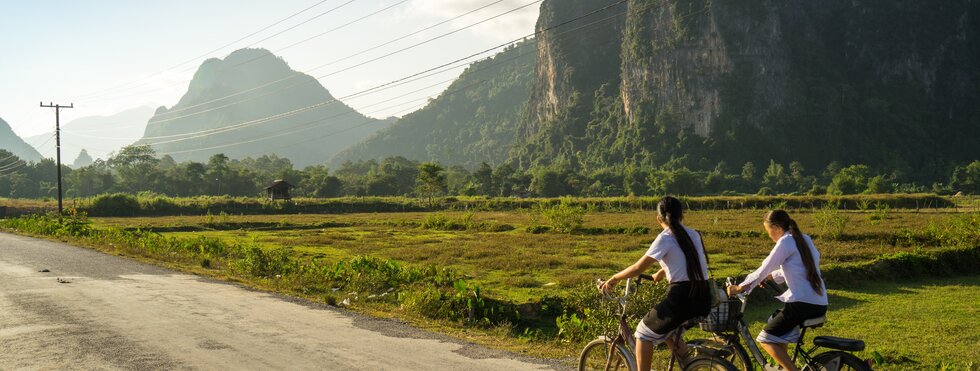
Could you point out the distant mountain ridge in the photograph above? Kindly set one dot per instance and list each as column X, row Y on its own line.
column 98, row 135
column 251, row 104
column 12, row 143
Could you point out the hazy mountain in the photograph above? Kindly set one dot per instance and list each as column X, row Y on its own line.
column 83, row 159
column 14, row 144
column 99, row 135
column 251, row 104
column 890, row 84
column 472, row 121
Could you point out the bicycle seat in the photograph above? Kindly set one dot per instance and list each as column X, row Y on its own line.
column 814, row 322
column 833, row 342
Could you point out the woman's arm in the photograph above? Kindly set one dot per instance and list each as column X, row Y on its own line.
column 631, row 271
column 776, row 258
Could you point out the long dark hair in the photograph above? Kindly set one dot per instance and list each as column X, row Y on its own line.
column 781, row 218
column 671, row 211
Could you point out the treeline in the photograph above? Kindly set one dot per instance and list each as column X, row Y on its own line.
column 137, row 169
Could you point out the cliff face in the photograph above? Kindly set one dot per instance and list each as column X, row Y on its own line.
column 884, row 83
column 574, row 60
column 678, row 56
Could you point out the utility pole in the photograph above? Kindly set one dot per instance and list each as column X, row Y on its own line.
column 57, row 141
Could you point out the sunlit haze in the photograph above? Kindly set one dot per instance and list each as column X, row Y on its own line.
column 109, row 56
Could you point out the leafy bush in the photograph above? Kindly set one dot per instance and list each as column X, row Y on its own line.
column 878, row 214
column 586, row 315
column 830, row 221
column 260, row 263
column 564, row 217
column 462, row 223
column 116, row 204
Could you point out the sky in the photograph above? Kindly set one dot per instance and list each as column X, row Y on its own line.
column 108, row 56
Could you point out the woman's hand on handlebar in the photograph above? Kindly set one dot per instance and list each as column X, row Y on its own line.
column 660, row 275
column 607, row 286
column 733, row 290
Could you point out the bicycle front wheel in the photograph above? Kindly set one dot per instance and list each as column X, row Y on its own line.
column 597, row 356
column 709, row 364
column 836, row 361
column 731, row 351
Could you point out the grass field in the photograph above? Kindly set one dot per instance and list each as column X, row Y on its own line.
column 514, row 256
column 516, row 264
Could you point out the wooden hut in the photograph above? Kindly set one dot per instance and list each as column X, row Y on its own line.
column 278, row 190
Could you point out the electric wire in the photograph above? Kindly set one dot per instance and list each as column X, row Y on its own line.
column 496, row 47
column 298, row 74
column 212, row 51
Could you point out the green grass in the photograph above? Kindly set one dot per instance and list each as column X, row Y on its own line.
column 495, row 251
column 916, row 324
column 521, row 266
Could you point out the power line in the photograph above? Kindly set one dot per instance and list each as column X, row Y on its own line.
column 274, row 117
column 370, row 121
column 20, row 155
column 211, row 51
column 359, row 53
column 297, row 74
column 57, row 139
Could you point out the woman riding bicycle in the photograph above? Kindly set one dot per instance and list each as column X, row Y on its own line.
column 795, row 261
column 681, row 255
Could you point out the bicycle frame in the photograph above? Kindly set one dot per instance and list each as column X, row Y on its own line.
column 624, row 335
column 743, row 332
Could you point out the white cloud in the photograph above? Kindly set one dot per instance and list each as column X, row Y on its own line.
column 506, row 27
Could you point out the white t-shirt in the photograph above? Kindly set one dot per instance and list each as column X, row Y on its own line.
column 667, row 252
column 786, row 265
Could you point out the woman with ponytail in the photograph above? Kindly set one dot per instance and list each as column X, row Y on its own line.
column 795, row 261
column 683, row 263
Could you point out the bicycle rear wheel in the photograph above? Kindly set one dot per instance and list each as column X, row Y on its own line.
column 596, row 356
column 709, row 364
column 836, row 361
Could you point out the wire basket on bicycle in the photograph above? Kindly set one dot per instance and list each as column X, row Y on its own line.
column 723, row 317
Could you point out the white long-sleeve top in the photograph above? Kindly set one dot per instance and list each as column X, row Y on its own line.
column 786, row 265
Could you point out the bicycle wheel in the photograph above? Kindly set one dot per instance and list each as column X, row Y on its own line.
column 835, row 361
column 709, row 364
column 732, row 352
column 596, row 356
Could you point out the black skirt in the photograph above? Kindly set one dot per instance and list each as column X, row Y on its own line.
column 684, row 301
column 793, row 315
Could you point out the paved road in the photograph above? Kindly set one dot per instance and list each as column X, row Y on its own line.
column 114, row 313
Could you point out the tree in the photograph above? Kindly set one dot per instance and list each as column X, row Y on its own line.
column 431, row 180
column 966, row 179
column 137, row 168
column 484, row 179
column 850, row 180
column 775, row 177
column 548, row 182
column 317, row 182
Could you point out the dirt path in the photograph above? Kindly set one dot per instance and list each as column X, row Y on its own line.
column 95, row 311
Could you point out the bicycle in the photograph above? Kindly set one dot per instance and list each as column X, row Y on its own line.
column 730, row 329
column 618, row 352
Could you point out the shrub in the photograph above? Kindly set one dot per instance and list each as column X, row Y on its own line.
column 116, row 204
column 586, row 315
column 260, row 263
column 830, row 221
column 564, row 217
